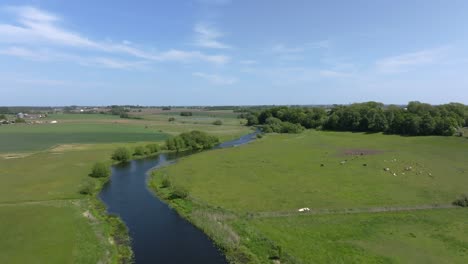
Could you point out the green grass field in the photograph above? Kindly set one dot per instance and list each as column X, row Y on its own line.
column 331, row 173
column 53, row 232
column 430, row 236
column 42, row 167
column 284, row 172
column 16, row 138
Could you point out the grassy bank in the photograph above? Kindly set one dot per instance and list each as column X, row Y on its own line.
column 250, row 195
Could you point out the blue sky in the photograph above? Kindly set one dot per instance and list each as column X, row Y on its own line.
column 228, row 52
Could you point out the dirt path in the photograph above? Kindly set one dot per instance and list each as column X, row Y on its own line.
column 352, row 210
column 39, row 202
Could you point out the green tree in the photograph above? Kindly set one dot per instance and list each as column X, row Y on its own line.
column 121, row 154
column 218, row 122
column 100, row 170
column 152, row 148
column 139, row 151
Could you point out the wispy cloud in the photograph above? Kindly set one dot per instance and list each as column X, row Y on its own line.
column 38, row 27
column 215, row 79
column 334, row 74
column 51, row 55
column 281, row 48
column 409, row 61
column 248, row 62
column 208, row 37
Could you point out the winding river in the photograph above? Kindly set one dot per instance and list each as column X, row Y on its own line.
column 159, row 234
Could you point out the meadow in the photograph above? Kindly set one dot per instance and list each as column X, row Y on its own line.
column 373, row 198
column 43, row 217
column 428, row 236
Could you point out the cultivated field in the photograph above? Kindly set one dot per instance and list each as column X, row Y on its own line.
column 43, row 218
column 373, row 197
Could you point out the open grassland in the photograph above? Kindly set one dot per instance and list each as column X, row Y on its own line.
column 43, row 218
column 430, row 236
column 373, row 198
column 285, row 172
column 53, row 232
column 49, row 175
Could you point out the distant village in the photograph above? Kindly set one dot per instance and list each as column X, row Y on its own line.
column 40, row 115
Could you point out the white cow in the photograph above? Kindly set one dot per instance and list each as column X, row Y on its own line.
column 305, row 209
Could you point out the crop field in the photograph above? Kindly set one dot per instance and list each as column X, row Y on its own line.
column 372, row 197
column 42, row 167
column 99, row 128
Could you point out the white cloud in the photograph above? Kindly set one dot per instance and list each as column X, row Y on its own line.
column 248, row 62
column 38, row 27
column 334, row 74
column 215, row 79
column 280, row 48
column 48, row 55
column 408, row 61
column 207, row 37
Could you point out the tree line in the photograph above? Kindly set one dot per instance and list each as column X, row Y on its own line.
column 414, row 119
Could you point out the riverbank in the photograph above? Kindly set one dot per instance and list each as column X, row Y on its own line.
column 225, row 228
column 229, row 231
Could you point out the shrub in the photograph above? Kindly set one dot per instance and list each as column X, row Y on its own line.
column 171, row 119
column 166, row 182
column 100, row 170
column 124, row 115
column 139, row 151
column 121, row 154
column 259, row 135
column 186, row 114
column 152, row 148
column 87, row 186
column 179, row 193
column 217, row 122
column 462, row 201
column 20, row 120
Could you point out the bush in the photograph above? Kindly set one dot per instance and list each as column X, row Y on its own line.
column 186, row 114
column 462, row 201
column 124, row 115
column 100, row 170
column 195, row 140
column 121, row 154
column 171, row 119
column 179, row 193
column 217, row 122
column 87, row 186
column 20, row 120
column 166, row 182
column 259, row 135
column 139, row 151
column 152, row 148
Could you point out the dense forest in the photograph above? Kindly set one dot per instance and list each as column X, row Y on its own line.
column 414, row 119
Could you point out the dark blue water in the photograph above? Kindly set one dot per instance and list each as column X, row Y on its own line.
column 159, row 234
